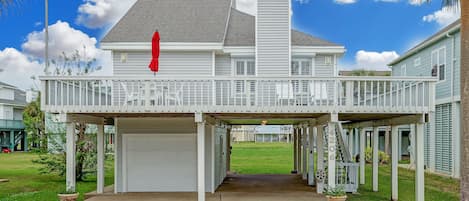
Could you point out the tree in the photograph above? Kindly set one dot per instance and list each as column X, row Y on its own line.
column 33, row 119
column 67, row 65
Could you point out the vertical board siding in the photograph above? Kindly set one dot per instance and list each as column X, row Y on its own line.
column 427, row 144
column 443, row 138
column 223, row 65
column 273, row 37
column 171, row 63
column 321, row 68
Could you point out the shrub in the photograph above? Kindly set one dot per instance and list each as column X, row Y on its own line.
column 382, row 157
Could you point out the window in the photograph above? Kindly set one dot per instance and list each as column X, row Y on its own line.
column 328, row 60
column 439, row 63
column 404, row 70
column 301, row 67
column 417, row 62
column 245, row 67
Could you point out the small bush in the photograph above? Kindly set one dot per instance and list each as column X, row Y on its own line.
column 382, row 157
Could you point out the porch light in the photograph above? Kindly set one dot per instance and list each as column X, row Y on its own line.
column 264, row 122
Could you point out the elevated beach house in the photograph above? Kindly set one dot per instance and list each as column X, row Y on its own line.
column 220, row 67
column 439, row 56
column 12, row 104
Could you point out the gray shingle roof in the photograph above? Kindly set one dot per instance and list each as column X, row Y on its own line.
column 194, row 21
column 176, row 20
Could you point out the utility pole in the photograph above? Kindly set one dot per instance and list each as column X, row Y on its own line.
column 46, row 37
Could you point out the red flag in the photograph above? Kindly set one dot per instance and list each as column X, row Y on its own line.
column 155, row 52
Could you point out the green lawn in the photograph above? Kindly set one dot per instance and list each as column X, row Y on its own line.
column 26, row 184
column 276, row 158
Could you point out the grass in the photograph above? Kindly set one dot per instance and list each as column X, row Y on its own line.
column 276, row 158
column 27, row 184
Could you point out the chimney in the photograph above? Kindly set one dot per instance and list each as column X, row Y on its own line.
column 273, row 37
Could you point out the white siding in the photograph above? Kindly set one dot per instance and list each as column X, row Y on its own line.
column 171, row 63
column 7, row 94
column 223, row 65
column 273, row 37
column 323, row 69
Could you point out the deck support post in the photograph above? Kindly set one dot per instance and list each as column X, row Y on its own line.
column 199, row 119
column 100, row 159
column 362, row 154
column 311, row 175
column 375, row 158
column 350, row 142
column 70, row 157
column 331, row 150
column 304, row 140
column 12, row 141
column 320, row 163
column 298, row 151
column 228, row 149
column 419, row 163
column 295, row 152
column 394, row 161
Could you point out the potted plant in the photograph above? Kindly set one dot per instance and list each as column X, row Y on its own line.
column 68, row 196
column 336, row 194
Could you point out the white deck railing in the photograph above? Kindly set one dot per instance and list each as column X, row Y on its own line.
column 238, row 94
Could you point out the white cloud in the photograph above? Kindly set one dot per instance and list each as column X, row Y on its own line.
column 102, row 13
column 388, row 1
column 17, row 68
column 345, row 1
column 374, row 60
column 62, row 38
column 443, row 17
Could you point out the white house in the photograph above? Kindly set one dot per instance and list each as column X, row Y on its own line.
column 12, row 104
column 221, row 67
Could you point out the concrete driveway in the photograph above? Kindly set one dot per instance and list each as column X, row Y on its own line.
column 235, row 188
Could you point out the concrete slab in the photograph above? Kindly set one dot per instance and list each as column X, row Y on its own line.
column 235, row 188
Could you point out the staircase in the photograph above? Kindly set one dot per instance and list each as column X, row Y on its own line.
column 346, row 168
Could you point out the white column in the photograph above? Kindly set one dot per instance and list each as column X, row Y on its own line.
column 201, row 160
column 320, row 163
column 71, row 163
column 350, row 142
column 331, row 150
column 419, row 163
column 400, row 145
column 362, row 154
column 304, row 153
column 412, row 145
column 100, row 158
column 311, row 175
column 375, row 158
column 394, row 161
column 295, row 152
column 298, row 150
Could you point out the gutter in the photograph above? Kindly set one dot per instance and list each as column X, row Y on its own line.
column 423, row 45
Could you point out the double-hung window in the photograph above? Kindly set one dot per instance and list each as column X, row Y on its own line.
column 301, row 68
column 243, row 67
column 439, row 63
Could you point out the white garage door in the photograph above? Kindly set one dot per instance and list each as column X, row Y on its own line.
column 160, row 163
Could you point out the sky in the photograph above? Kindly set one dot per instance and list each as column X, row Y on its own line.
column 374, row 32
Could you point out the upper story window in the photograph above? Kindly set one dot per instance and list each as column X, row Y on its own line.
column 404, row 70
column 301, row 67
column 439, row 63
column 328, row 60
column 417, row 62
column 245, row 67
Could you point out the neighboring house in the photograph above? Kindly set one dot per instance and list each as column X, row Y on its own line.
column 219, row 68
column 12, row 104
column 439, row 56
column 261, row 134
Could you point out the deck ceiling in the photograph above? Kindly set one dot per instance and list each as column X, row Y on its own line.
column 258, row 118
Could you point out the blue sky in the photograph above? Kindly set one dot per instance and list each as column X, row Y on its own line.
column 373, row 31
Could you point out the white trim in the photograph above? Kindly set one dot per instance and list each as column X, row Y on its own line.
column 212, row 157
column 129, row 46
column 317, row 49
column 447, row 100
column 240, row 51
